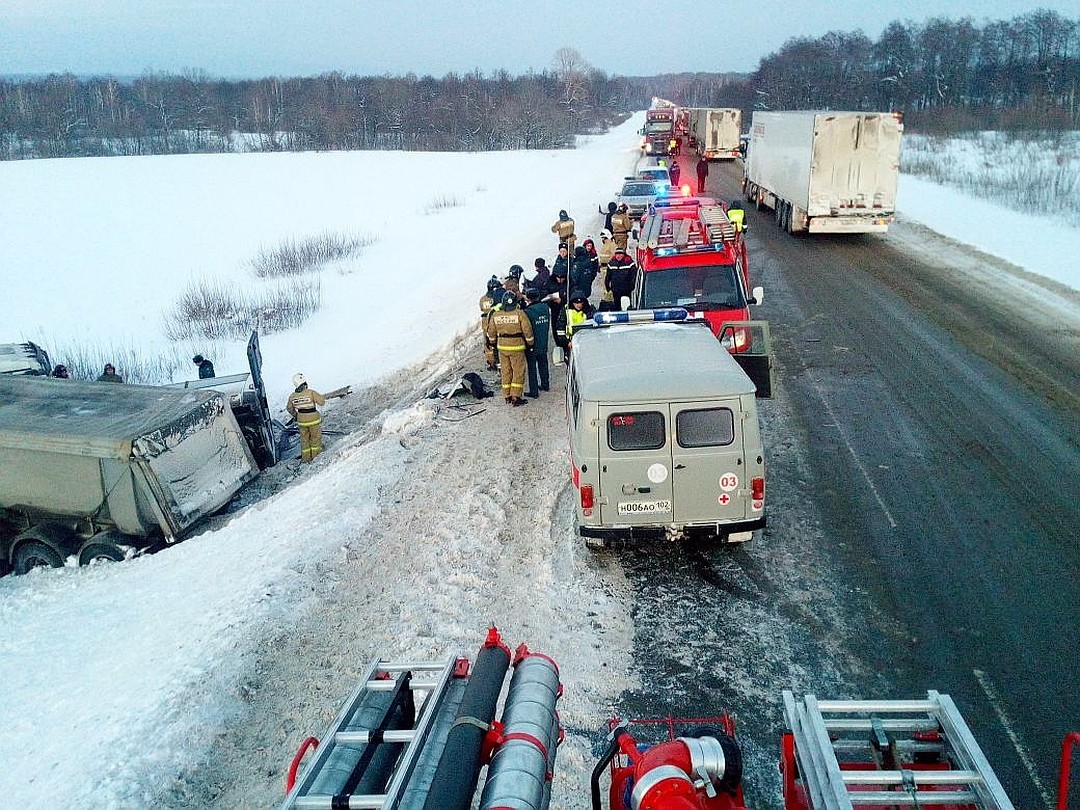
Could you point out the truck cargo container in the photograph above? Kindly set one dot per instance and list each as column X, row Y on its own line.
column 715, row 132
column 93, row 470
column 825, row 172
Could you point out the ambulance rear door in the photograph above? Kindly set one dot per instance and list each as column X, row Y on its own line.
column 635, row 465
column 709, row 470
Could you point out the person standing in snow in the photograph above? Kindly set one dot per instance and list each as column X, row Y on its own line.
column 582, row 274
column 611, row 209
column 580, row 310
column 543, row 273
column 511, row 331
column 564, row 229
column 558, row 291
column 702, row 174
column 536, row 358
column 303, row 407
column 621, row 225
column 206, row 368
column 487, row 304
column 621, row 277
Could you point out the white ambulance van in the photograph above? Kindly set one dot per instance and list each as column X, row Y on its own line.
column 664, row 432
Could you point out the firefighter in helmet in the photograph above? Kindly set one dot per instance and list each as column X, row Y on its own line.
column 302, row 406
column 511, row 331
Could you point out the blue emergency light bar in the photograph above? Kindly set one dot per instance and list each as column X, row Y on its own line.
column 641, row 316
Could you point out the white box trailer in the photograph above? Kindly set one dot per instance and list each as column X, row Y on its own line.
column 825, row 172
column 716, row 132
column 88, row 469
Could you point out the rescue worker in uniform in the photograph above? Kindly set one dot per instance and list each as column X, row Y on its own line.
column 579, row 311
column 736, row 215
column 511, row 331
column 621, row 277
column 621, row 224
column 539, row 314
column 487, row 304
column 302, row 406
column 564, row 229
column 702, row 174
column 206, row 368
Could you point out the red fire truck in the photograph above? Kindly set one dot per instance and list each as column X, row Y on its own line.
column 689, row 255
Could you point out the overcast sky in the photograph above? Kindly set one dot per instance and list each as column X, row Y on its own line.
column 254, row 38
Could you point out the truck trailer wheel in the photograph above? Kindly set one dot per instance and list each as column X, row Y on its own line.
column 98, row 551
column 35, row 554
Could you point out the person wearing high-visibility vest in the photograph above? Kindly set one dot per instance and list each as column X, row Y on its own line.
column 736, row 215
column 579, row 311
column 302, row 407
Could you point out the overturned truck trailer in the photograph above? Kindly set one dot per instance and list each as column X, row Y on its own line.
column 93, row 470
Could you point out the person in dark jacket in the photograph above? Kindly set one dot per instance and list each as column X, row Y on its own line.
column 621, row 276
column 543, row 273
column 674, row 171
column 702, row 174
column 611, row 209
column 539, row 315
column 61, row 372
column 582, row 272
column 110, row 375
column 557, row 293
column 562, row 261
column 594, row 257
column 206, row 368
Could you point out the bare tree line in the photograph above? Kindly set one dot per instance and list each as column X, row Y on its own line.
column 946, row 75
column 64, row 115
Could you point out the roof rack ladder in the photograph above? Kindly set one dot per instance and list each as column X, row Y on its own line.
column 373, row 716
column 822, row 729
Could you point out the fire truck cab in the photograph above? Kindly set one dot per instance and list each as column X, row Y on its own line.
column 689, row 255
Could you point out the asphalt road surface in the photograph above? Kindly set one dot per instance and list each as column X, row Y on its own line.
column 924, row 498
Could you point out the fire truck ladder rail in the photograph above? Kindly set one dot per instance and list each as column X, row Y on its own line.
column 817, row 730
column 709, row 227
column 388, row 698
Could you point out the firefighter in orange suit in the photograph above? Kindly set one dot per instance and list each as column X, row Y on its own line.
column 302, row 407
column 511, row 331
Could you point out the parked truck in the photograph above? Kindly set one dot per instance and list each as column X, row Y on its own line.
column 715, row 132
column 659, row 131
column 825, row 172
column 92, row 471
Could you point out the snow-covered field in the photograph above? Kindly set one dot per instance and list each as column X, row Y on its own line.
column 116, row 678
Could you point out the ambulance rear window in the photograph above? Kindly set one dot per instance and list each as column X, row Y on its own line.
column 707, row 427
column 643, row 430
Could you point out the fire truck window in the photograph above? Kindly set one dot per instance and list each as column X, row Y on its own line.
column 643, row 430
column 707, row 427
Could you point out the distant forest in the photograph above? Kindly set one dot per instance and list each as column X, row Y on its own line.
column 946, row 76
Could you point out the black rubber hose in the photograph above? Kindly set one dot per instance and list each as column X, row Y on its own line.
column 605, row 760
column 455, row 779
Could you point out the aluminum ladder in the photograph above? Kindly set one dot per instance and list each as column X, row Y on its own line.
column 382, row 712
column 887, row 733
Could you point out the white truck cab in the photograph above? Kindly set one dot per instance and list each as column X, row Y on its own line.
column 664, row 432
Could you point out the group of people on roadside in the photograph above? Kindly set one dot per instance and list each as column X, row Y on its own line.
column 524, row 312
column 108, row 374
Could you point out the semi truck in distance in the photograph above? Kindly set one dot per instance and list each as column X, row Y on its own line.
column 825, row 172
column 715, row 132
